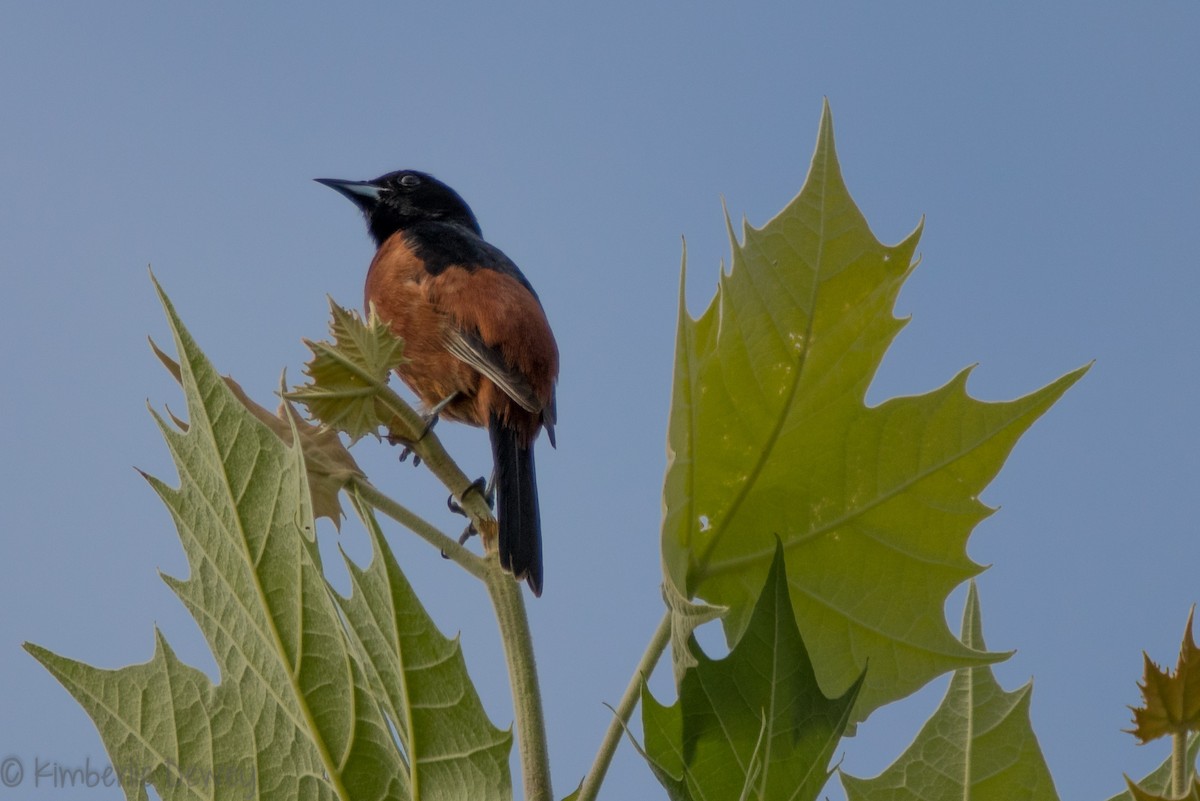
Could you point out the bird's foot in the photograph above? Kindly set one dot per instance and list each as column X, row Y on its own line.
column 486, row 489
column 428, row 421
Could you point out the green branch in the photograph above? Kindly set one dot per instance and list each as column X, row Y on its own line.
column 509, row 606
column 608, row 747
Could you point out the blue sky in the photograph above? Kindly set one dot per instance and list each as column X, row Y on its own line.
column 1051, row 147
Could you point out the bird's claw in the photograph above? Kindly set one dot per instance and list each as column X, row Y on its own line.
column 485, row 489
column 428, row 422
column 479, row 485
column 468, row 532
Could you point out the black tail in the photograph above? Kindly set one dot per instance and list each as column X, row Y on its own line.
column 517, row 505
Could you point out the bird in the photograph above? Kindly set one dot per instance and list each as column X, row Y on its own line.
column 478, row 346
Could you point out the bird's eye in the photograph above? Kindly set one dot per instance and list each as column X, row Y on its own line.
column 409, row 181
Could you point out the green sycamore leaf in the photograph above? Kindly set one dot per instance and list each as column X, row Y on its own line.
column 662, row 727
column 346, row 375
column 421, row 679
column 770, row 435
column 301, row 709
column 165, row 724
column 978, row 745
column 753, row 725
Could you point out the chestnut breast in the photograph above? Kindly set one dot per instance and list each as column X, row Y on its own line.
column 494, row 307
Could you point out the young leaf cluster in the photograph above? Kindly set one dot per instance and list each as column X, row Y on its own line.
column 1170, row 707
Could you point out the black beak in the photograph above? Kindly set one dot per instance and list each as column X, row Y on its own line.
column 364, row 194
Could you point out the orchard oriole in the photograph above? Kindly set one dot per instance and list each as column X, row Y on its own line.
column 477, row 344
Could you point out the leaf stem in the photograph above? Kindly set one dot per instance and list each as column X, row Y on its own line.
column 1179, row 764
column 368, row 493
column 513, row 622
column 612, row 738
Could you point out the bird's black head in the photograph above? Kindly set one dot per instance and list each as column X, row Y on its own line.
column 402, row 199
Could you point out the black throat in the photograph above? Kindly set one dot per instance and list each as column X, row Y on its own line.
column 442, row 245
